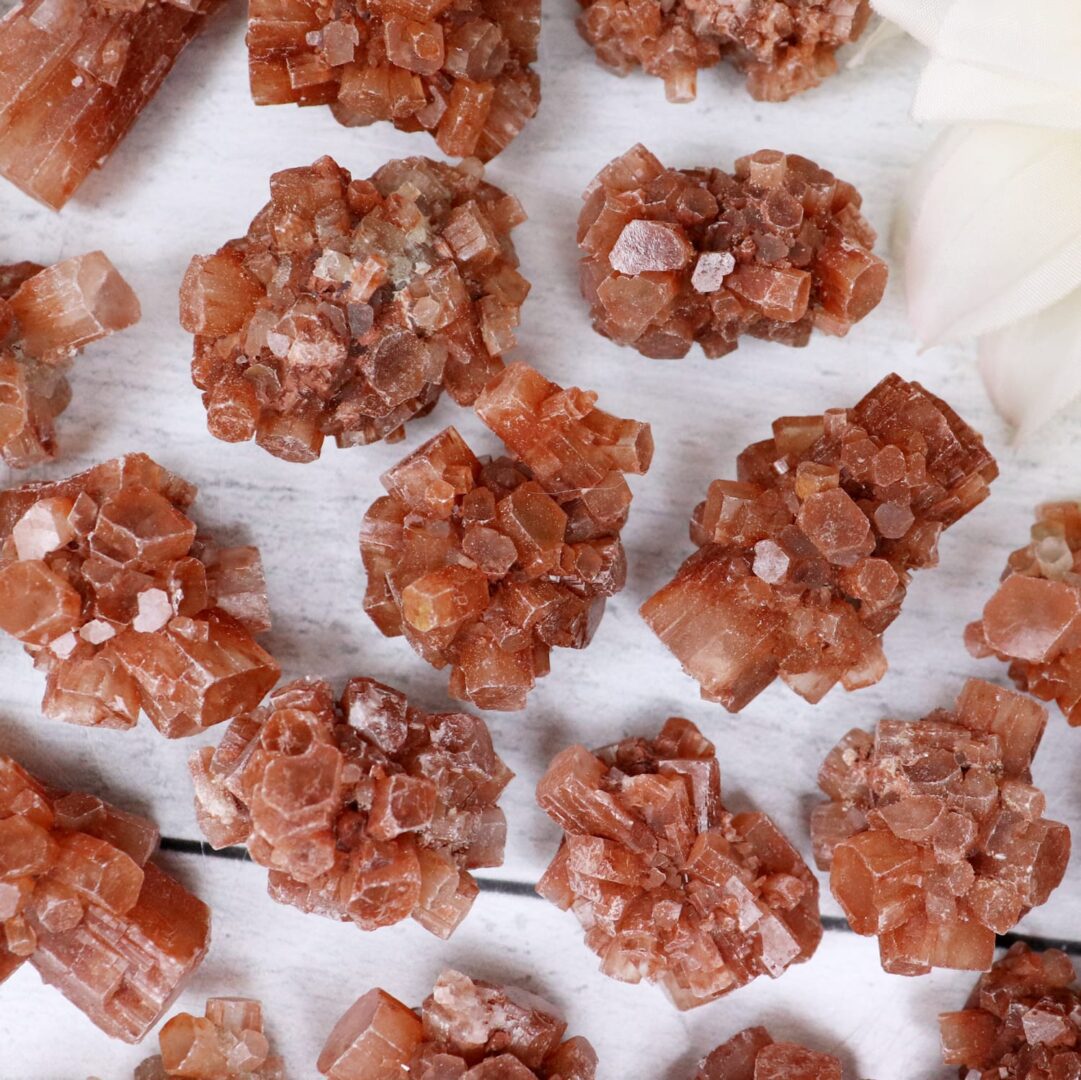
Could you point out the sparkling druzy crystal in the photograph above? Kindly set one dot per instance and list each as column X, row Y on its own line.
column 486, row 565
column 74, row 77
column 753, row 1055
column 776, row 250
column 460, row 71
column 47, row 314
column 934, row 835
column 1021, row 1022
column 668, row 884
column 81, row 903
column 125, row 607
column 367, row 810
column 805, row 559
column 465, row 1030
column 783, row 46
column 350, row 304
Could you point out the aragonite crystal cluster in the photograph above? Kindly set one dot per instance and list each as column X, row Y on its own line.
column 782, row 46
column 460, row 71
column 485, row 565
column 47, row 314
column 227, row 1043
column 81, row 902
column 753, row 1055
column 669, row 885
column 366, row 810
column 1033, row 621
column 775, row 250
column 351, row 304
column 126, row 608
column 1022, row 1020
column 804, row 560
column 74, row 77
column 465, row 1028
column 934, row 836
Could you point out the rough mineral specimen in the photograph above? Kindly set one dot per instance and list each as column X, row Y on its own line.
column 674, row 256
column 1033, row 621
column 466, row 1028
column 753, row 1055
column 934, row 836
column 80, row 901
column 105, row 581
column 805, row 559
column 74, row 77
column 228, row 1043
column 782, row 48
column 1022, row 1020
column 350, row 304
column 669, row 885
column 366, row 810
column 486, row 565
column 460, row 71
column 46, row 316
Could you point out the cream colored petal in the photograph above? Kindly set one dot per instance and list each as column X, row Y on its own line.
column 922, row 19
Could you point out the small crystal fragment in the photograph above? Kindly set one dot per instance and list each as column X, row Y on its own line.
column 753, row 1055
column 934, row 836
column 804, row 561
column 668, row 884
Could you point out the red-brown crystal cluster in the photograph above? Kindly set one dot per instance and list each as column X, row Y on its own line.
column 46, row 316
column 366, row 810
column 776, row 250
column 753, row 1055
column 351, row 304
column 1033, row 621
column 465, row 1029
column 105, row 581
column 783, row 48
column 669, row 885
column 1021, row 1022
column 80, row 901
column 460, row 71
column 805, row 559
column 228, row 1043
column 486, row 565
column 74, row 77
column 934, row 835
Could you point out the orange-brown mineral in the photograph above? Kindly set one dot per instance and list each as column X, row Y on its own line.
column 106, row 582
column 775, row 250
column 80, row 901
column 486, row 565
column 668, row 884
column 460, row 71
column 74, row 77
column 934, row 836
column 351, row 304
column 47, row 314
column 753, row 1055
column 805, row 559
column 367, row 810
column 783, row 48
column 465, row 1029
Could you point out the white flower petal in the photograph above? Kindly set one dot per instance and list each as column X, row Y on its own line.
column 922, row 19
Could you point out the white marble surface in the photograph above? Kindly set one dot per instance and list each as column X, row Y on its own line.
column 192, row 174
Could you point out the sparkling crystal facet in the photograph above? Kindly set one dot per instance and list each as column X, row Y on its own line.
column 753, row 1055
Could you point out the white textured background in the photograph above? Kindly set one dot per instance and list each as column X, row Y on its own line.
column 191, row 175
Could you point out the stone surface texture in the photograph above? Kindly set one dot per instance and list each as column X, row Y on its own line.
column 485, row 565
column 805, row 559
column 351, row 304
column 753, row 1055
column 934, row 835
column 669, row 885
column 124, row 605
column 47, row 314
column 777, row 249
column 82, row 904
column 74, row 77
column 465, row 1030
column 367, row 810
column 460, row 71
